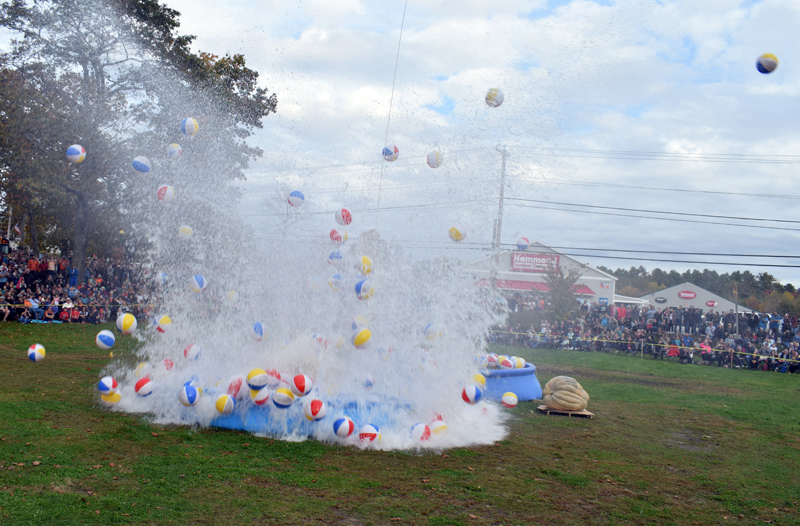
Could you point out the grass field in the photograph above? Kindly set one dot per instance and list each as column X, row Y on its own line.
column 670, row 444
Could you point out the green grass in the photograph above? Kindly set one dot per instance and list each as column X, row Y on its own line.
column 670, row 444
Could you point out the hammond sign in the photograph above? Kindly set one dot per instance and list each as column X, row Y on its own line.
column 528, row 262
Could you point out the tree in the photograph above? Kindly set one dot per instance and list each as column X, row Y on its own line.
column 117, row 78
column 561, row 295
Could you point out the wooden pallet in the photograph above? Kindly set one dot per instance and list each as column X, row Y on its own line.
column 548, row 411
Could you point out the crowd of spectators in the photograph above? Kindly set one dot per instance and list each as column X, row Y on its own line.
column 40, row 288
column 768, row 342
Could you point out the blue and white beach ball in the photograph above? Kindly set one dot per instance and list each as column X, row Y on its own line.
column 420, row 432
column 343, row 217
column 105, row 339
column 36, row 352
column 471, row 394
column 143, row 387
column 189, row 395
column 197, row 283
column 301, row 385
column 258, row 331
column 296, row 198
column 361, row 336
column 192, row 352
column 76, row 154
column 189, row 127
column 390, row 153
column 431, row 331
column 161, row 277
column 336, row 258
column 126, row 323
column 107, row 385
column 174, row 150
column 335, row 281
column 767, row 63
column 435, row 159
column 260, row 397
column 510, row 400
column 364, row 289
column 494, row 97
column 141, row 164
column 257, row 379
column 364, row 265
column 343, row 427
column 282, row 398
column 523, row 243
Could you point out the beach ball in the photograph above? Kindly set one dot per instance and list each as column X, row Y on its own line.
column 509, row 399
column 491, row 359
column 358, row 322
column 343, row 217
column 36, row 352
column 431, row 332
column 235, row 386
column 186, row 231
column 364, row 289
column 369, row 433
column 161, row 277
column 339, row 236
column 361, row 336
column 301, row 385
column 335, row 281
column 174, row 150
column 471, row 394
column 420, row 432
column 435, row 159
column 141, row 164
column 479, row 380
column 189, row 395
column 168, row 364
column 494, row 97
column 231, row 296
column 126, row 323
column 274, row 378
column 107, row 385
column 343, row 427
column 438, row 426
column 197, row 283
column 282, row 398
column 225, row 404
column 506, row 363
column 165, row 193
column 111, row 398
column 192, row 351
column 76, row 154
column 336, row 258
column 260, row 397
column 767, row 63
column 162, row 323
column 143, row 386
column 364, row 265
column 257, row 379
column 314, row 409
column 189, row 127
column 369, row 381
column 390, row 153
column 519, row 363
column 457, row 233
column 105, row 339
column 258, row 331
column 523, row 243
column 296, row 198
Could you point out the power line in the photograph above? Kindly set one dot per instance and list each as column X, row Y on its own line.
column 621, row 209
column 656, row 218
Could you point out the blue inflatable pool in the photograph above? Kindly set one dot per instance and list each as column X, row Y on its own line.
column 522, row 382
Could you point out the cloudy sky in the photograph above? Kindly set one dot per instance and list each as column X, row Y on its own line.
column 628, row 125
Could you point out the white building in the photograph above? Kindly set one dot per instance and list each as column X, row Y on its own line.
column 525, row 270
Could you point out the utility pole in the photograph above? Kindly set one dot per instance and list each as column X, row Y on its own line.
column 498, row 224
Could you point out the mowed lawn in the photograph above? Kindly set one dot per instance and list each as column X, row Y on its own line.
column 670, row 444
